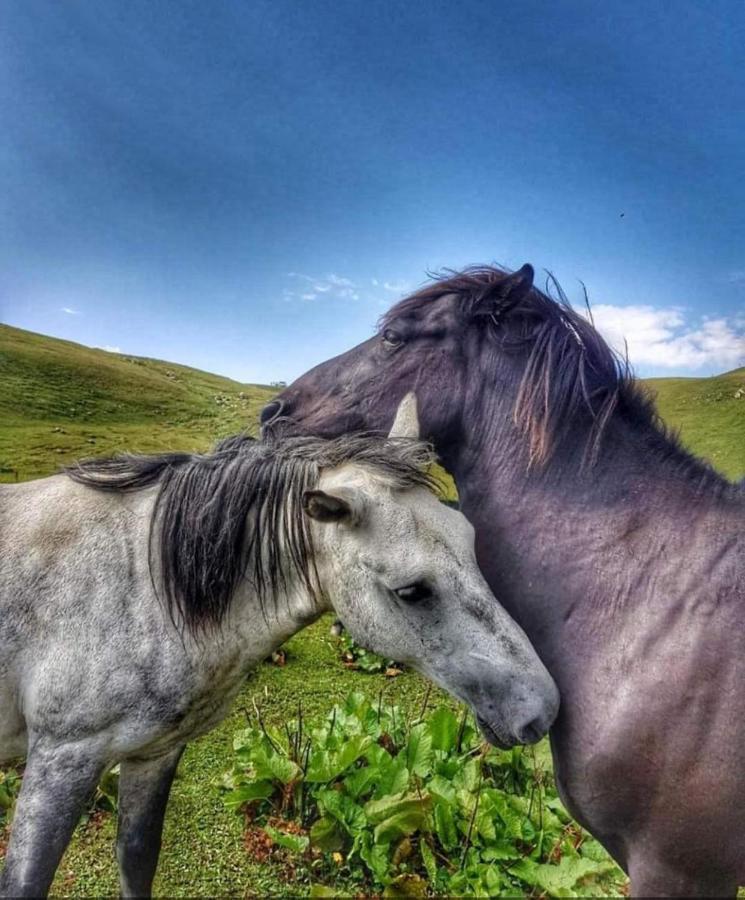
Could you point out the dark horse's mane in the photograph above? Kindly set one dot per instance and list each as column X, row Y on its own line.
column 237, row 512
column 572, row 382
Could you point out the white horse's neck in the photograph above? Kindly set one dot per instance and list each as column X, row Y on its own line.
column 252, row 633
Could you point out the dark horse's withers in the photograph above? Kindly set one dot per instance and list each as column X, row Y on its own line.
column 622, row 556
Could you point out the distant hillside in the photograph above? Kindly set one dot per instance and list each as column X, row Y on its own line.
column 710, row 413
column 60, row 401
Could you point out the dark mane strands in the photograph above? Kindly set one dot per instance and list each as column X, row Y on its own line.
column 237, row 512
column 571, row 378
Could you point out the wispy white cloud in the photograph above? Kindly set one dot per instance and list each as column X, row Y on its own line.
column 332, row 285
column 338, row 287
column 397, row 287
column 110, row 349
column 338, row 281
column 70, row 311
column 665, row 337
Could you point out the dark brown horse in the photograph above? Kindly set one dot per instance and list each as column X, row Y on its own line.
column 622, row 556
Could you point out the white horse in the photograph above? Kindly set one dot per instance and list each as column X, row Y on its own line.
column 136, row 593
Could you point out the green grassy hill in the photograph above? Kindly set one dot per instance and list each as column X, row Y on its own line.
column 710, row 413
column 60, row 401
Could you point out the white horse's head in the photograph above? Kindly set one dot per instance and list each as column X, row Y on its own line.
column 400, row 571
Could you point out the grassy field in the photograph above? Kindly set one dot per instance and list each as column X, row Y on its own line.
column 710, row 413
column 60, row 401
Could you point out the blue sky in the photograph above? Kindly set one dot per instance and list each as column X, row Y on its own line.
column 245, row 186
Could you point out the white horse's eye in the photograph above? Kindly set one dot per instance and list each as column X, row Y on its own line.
column 413, row 593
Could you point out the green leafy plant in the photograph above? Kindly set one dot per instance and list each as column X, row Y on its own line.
column 354, row 656
column 104, row 800
column 10, row 785
column 412, row 807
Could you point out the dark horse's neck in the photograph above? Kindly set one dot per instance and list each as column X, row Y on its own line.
column 571, row 552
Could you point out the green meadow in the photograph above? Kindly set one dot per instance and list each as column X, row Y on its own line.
column 60, row 401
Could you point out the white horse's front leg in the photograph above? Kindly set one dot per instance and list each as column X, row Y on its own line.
column 144, row 786
column 58, row 783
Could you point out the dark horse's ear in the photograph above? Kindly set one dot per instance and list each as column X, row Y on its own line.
column 505, row 294
column 326, row 507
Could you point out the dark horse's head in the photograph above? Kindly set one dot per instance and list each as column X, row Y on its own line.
column 490, row 357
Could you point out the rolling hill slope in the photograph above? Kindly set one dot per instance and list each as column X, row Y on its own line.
column 60, row 401
column 710, row 414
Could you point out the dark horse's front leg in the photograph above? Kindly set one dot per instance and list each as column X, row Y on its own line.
column 144, row 786
column 58, row 783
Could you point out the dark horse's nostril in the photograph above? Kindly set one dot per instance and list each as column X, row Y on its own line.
column 271, row 411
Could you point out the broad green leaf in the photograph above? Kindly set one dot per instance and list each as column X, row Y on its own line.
column 320, row 766
column 445, row 825
column 327, row 766
column 343, row 809
column 246, row 793
column 407, row 821
column 298, row 843
column 428, row 859
column 592, row 849
column 393, row 776
column 484, row 824
column 283, row 769
column 558, row 880
column 375, row 856
column 356, row 704
column 418, row 750
column 492, row 880
column 447, row 766
column 326, row 834
column 321, row 890
column 555, row 804
column 245, row 738
column 443, row 726
column 443, row 788
column 378, row 810
column 467, row 776
column 500, row 849
column 406, row 885
column 370, row 662
column 377, row 756
column 358, row 781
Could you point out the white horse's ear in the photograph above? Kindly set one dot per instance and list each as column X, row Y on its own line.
column 406, row 423
column 325, row 507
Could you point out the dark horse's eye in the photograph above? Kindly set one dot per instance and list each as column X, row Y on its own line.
column 391, row 339
column 413, row 593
